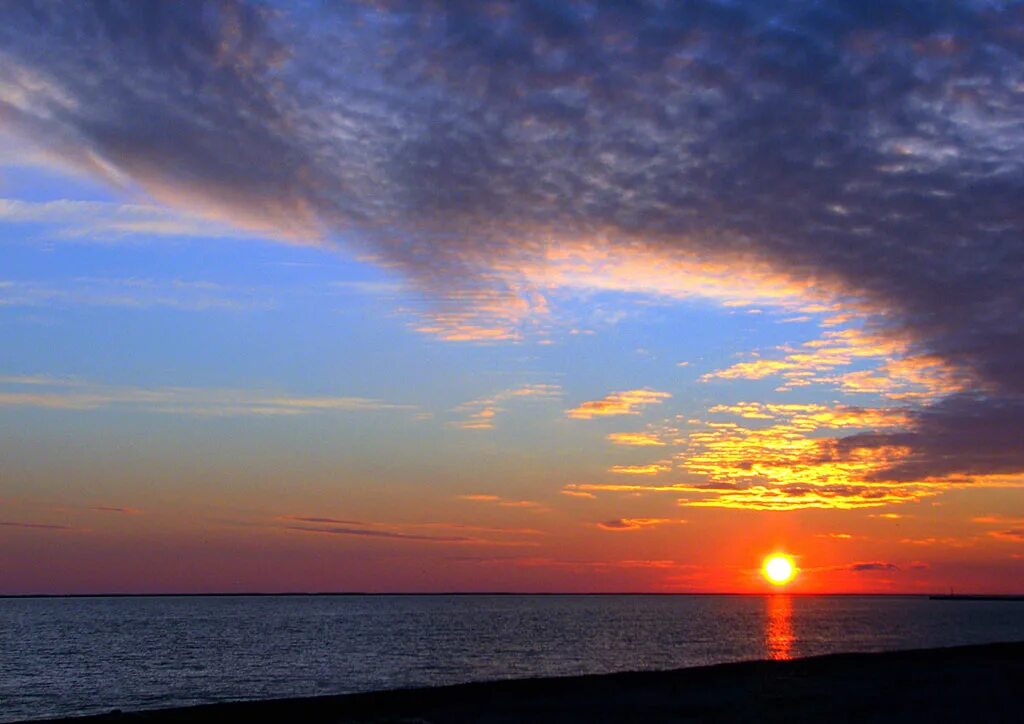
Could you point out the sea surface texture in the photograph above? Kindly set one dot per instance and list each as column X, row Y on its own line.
column 70, row 656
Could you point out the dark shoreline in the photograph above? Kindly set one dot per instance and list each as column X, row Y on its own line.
column 981, row 683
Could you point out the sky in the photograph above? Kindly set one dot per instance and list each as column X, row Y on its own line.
column 524, row 296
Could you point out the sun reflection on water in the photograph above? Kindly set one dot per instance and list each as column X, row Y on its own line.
column 778, row 627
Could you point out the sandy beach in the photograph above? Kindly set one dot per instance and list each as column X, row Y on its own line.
column 970, row 683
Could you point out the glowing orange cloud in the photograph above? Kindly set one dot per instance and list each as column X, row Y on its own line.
column 652, row 469
column 618, row 403
column 898, row 375
column 635, row 439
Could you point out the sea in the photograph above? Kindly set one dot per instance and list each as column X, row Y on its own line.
column 78, row 656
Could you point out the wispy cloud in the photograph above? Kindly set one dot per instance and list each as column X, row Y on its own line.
column 39, row 526
column 372, row 533
column 629, row 402
column 503, row 502
column 70, row 507
column 649, row 469
column 1008, row 528
column 635, row 439
column 896, row 374
column 60, row 393
column 998, row 520
column 456, row 533
column 599, row 566
column 574, row 493
column 940, row 541
column 482, row 411
column 132, row 293
column 319, row 519
column 105, row 222
column 628, row 524
column 1011, row 534
column 113, row 509
column 873, row 566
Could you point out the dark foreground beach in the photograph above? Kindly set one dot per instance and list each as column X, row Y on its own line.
column 963, row 684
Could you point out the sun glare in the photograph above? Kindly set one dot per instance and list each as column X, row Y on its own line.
column 779, row 569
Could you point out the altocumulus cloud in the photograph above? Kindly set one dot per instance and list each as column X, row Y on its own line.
column 871, row 152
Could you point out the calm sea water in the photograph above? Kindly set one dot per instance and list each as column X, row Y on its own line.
column 89, row 655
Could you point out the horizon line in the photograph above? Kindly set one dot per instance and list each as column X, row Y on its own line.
column 257, row 594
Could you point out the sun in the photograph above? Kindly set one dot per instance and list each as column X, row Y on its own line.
column 779, row 569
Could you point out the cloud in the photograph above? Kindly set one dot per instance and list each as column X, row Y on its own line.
column 873, row 566
column 895, row 375
column 621, row 524
column 369, row 533
column 942, row 542
column 618, row 403
column 60, row 393
column 799, row 496
column 504, row 502
column 963, row 435
column 997, row 520
column 132, row 293
column 157, row 138
column 776, row 458
column 596, row 566
column 40, row 526
column 113, row 509
column 483, row 411
column 635, row 439
column 573, row 493
column 809, row 417
column 752, row 496
column 458, row 533
column 315, row 519
column 858, row 160
column 481, row 528
column 591, row 565
column 104, row 221
column 1014, row 533
column 651, row 469
column 1011, row 534
column 66, row 507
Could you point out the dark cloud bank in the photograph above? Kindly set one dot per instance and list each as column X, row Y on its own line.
column 874, row 149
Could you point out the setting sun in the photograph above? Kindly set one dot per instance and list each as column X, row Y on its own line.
column 779, row 569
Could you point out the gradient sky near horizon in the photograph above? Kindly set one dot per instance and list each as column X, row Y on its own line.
column 518, row 296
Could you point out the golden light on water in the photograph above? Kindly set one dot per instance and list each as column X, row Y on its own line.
column 779, row 569
column 778, row 631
